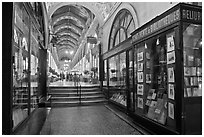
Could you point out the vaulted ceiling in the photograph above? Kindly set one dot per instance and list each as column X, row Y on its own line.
column 68, row 25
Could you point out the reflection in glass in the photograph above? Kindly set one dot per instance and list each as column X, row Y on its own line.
column 20, row 65
column 192, row 54
column 117, row 75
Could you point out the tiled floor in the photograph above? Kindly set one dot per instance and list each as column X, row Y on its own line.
column 86, row 120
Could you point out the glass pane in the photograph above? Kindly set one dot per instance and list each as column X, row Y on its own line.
column 117, row 39
column 130, row 71
column 20, row 65
column 130, row 28
column 151, row 79
column 192, row 44
column 123, row 20
column 122, row 35
column 117, row 75
column 34, row 67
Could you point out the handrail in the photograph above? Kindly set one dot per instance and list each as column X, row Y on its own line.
column 79, row 84
column 78, row 87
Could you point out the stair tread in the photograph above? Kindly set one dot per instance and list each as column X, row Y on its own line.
column 69, row 93
column 88, row 101
column 78, row 97
column 74, row 89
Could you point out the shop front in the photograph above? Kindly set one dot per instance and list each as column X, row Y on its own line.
column 168, row 70
column 156, row 76
column 27, row 44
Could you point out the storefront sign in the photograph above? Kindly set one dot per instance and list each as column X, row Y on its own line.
column 192, row 15
column 167, row 20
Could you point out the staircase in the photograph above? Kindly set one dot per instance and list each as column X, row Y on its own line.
column 67, row 96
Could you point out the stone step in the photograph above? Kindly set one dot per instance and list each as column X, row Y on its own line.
column 67, row 96
column 77, row 97
column 60, row 94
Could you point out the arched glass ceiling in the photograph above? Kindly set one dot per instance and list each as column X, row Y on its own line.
column 69, row 23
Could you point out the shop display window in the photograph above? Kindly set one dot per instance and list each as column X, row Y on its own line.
column 117, row 75
column 20, row 65
column 34, row 67
column 155, row 78
column 192, row 60
column 25, row 75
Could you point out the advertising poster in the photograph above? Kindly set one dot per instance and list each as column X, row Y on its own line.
column 140, row 89
column 171, row 91
column 140, row 102
column 140, row 56
column 140, row 67
column 140, row 76
column 171, row 74
column 171, row 57
column 170, row 43
column 171, row 110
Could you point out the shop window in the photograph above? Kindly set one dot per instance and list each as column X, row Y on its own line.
column 155, row 78
column 117, row 79
column 192, row 60
column 20, row 65
column 34, row 66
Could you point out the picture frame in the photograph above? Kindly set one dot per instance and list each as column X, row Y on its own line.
column 148, row 78
column 140, row 77
column 140, row 89
column 148, row 102
column 171, row 74
column 150, row 93
column 187, row 71
column 140, row 66
column 171, row 110
column 140, row 102
column 170, row 42
column 140, row 56
column 171, row 92
column 171, row 57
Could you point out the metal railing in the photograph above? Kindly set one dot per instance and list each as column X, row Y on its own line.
column 78, row 87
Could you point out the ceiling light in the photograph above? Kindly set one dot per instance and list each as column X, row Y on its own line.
column 66, row 52
column 71, row 52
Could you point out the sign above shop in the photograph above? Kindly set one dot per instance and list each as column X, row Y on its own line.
column 179, row 12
